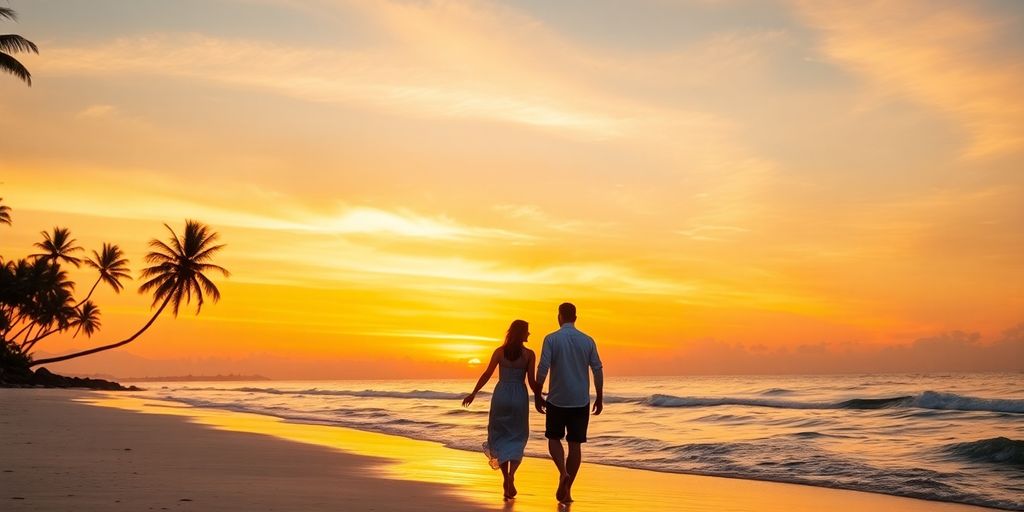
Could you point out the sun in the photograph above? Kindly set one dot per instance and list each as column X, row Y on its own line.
column 473, row 362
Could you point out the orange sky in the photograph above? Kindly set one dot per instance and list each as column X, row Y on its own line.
column 720, row 186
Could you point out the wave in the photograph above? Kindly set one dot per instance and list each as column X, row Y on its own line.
column 927, row 400
column 366, row 393
column 999, row 450
column 376, row 420
column 777, row 391
column 800, row 455
column 954, row 402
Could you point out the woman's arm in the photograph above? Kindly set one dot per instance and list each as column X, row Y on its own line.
column 483, row 379
column 531, row 374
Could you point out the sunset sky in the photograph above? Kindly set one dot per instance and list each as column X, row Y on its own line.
column 720, row 186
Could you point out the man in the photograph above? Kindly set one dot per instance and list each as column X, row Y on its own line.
column 567, row 353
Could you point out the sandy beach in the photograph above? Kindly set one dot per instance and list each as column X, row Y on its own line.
column 76, row 450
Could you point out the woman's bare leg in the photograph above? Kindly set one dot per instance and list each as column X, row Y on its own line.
column 513, row 466
column 505, row 474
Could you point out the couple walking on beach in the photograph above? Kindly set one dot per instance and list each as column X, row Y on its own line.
column 567, row 354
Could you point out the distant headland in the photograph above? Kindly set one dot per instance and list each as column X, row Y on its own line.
column 197, row 378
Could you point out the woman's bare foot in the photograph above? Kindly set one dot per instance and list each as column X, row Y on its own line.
column 505, row 486
column 511, row 490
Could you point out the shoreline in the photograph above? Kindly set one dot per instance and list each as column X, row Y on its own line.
column 404, row 474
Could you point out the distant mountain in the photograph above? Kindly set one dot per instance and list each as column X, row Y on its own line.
column 196, row 378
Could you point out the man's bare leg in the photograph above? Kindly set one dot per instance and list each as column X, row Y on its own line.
column 558, row 456
column 572, row 467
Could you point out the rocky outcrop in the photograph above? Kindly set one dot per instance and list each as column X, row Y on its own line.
column 19, row 377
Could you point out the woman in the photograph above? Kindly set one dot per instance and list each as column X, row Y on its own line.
column 508, row 426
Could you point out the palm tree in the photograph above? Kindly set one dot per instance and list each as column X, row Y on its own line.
column 176, row 275
column 5, row 213
column 58, row 247
column 13, row 43
column 47, row 304
column 87, row 319
column 111, row 264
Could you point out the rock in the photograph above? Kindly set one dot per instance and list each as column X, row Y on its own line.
column 25, row 377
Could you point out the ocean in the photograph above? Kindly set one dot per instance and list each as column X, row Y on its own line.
column 952, row 437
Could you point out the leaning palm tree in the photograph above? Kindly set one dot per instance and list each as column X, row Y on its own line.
column 5, row 213
column 13, row 43
column 58, row 247
column 112, row 266
column 177, row 274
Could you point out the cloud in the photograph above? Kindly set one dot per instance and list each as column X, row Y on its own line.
column 383, row 79
column 711, row 233
column 941, row 54
column 233, row 206
column 475, row 61
column 954, row 351
column 94, row 111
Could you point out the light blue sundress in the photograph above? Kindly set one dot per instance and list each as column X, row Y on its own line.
column 508, row 426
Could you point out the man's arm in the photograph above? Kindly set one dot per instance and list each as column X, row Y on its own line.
column 545, row 363
column 598, row 369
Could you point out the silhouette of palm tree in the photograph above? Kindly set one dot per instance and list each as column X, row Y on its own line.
column 46, row 299
column 13, row 43
column 86, row 319
column 176, row 275
column 112, row 265
column 5, row 213
column 58, row 247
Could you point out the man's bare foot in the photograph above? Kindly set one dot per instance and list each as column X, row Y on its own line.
column 567, row 490
column 561, row 492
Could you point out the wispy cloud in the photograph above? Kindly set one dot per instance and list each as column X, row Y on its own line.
column 711, row 233
column 94, row 111
column 384, row 79
column 941, row 54
column 277, row 212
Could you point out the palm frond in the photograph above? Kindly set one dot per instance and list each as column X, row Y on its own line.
column 178, row 249
column 208, row 287
column 11, row 65
column 205, row 254
column 5, row 213
column 7, row 12
column 13, row 43
column 156, row 282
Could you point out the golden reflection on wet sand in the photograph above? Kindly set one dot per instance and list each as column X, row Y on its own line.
column 598, row 489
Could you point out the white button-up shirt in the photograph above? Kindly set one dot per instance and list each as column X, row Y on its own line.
column 568, row 353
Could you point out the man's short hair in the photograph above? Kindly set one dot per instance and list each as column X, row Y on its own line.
column 568, row 311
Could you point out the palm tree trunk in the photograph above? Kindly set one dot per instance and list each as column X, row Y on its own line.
column 106, row 347
column 22, row 330
column 28, row 335
column 25, row 347
column 94, row 285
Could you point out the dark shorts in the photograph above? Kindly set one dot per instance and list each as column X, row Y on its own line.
column 568, row 422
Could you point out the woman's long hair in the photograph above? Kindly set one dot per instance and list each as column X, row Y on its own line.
column 514, row 339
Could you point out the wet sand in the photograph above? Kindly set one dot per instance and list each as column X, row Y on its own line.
column 79, row 450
